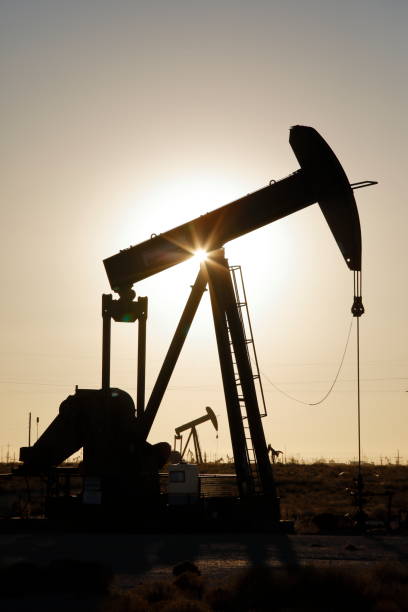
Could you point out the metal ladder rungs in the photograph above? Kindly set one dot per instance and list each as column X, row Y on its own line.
column 242, row 307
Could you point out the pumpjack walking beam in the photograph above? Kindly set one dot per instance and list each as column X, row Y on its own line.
column 321, row 179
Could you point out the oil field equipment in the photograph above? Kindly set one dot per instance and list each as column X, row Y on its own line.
column 191, row 426
column 183, row 486
column 104, row 422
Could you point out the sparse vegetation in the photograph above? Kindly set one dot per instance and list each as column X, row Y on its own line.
column 383, row 588
column 316, row 496
column 310, row 490
column 380, row 588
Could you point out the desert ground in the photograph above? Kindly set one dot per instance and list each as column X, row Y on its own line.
column 318, row 499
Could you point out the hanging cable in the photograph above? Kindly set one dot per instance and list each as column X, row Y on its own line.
column 299, row 401
column 357, row 310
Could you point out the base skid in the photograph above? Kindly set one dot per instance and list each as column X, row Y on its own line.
column 207, row 515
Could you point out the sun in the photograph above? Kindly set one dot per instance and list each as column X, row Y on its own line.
column 200, row 255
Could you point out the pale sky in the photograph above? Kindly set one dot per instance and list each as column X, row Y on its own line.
column 122, row 119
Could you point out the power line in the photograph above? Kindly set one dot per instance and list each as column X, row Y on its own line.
column 299, row 401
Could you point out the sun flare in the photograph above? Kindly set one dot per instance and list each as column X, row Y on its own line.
column 200, row 255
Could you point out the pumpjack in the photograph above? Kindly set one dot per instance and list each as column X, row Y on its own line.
column 105, row 423
column 191, row 427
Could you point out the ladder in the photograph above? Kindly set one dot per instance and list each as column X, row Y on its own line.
column 242, row 305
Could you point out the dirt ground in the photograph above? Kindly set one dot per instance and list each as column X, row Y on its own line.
column 140, row 561
column 136, row 557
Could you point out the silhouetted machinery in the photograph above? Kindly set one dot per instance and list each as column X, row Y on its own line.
column 104, row 423
column 191, row 427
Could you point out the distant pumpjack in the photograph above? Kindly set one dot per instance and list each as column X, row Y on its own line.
column 192, row 425
column 274, row 453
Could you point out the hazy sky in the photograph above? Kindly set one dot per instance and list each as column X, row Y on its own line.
column 122, row 119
